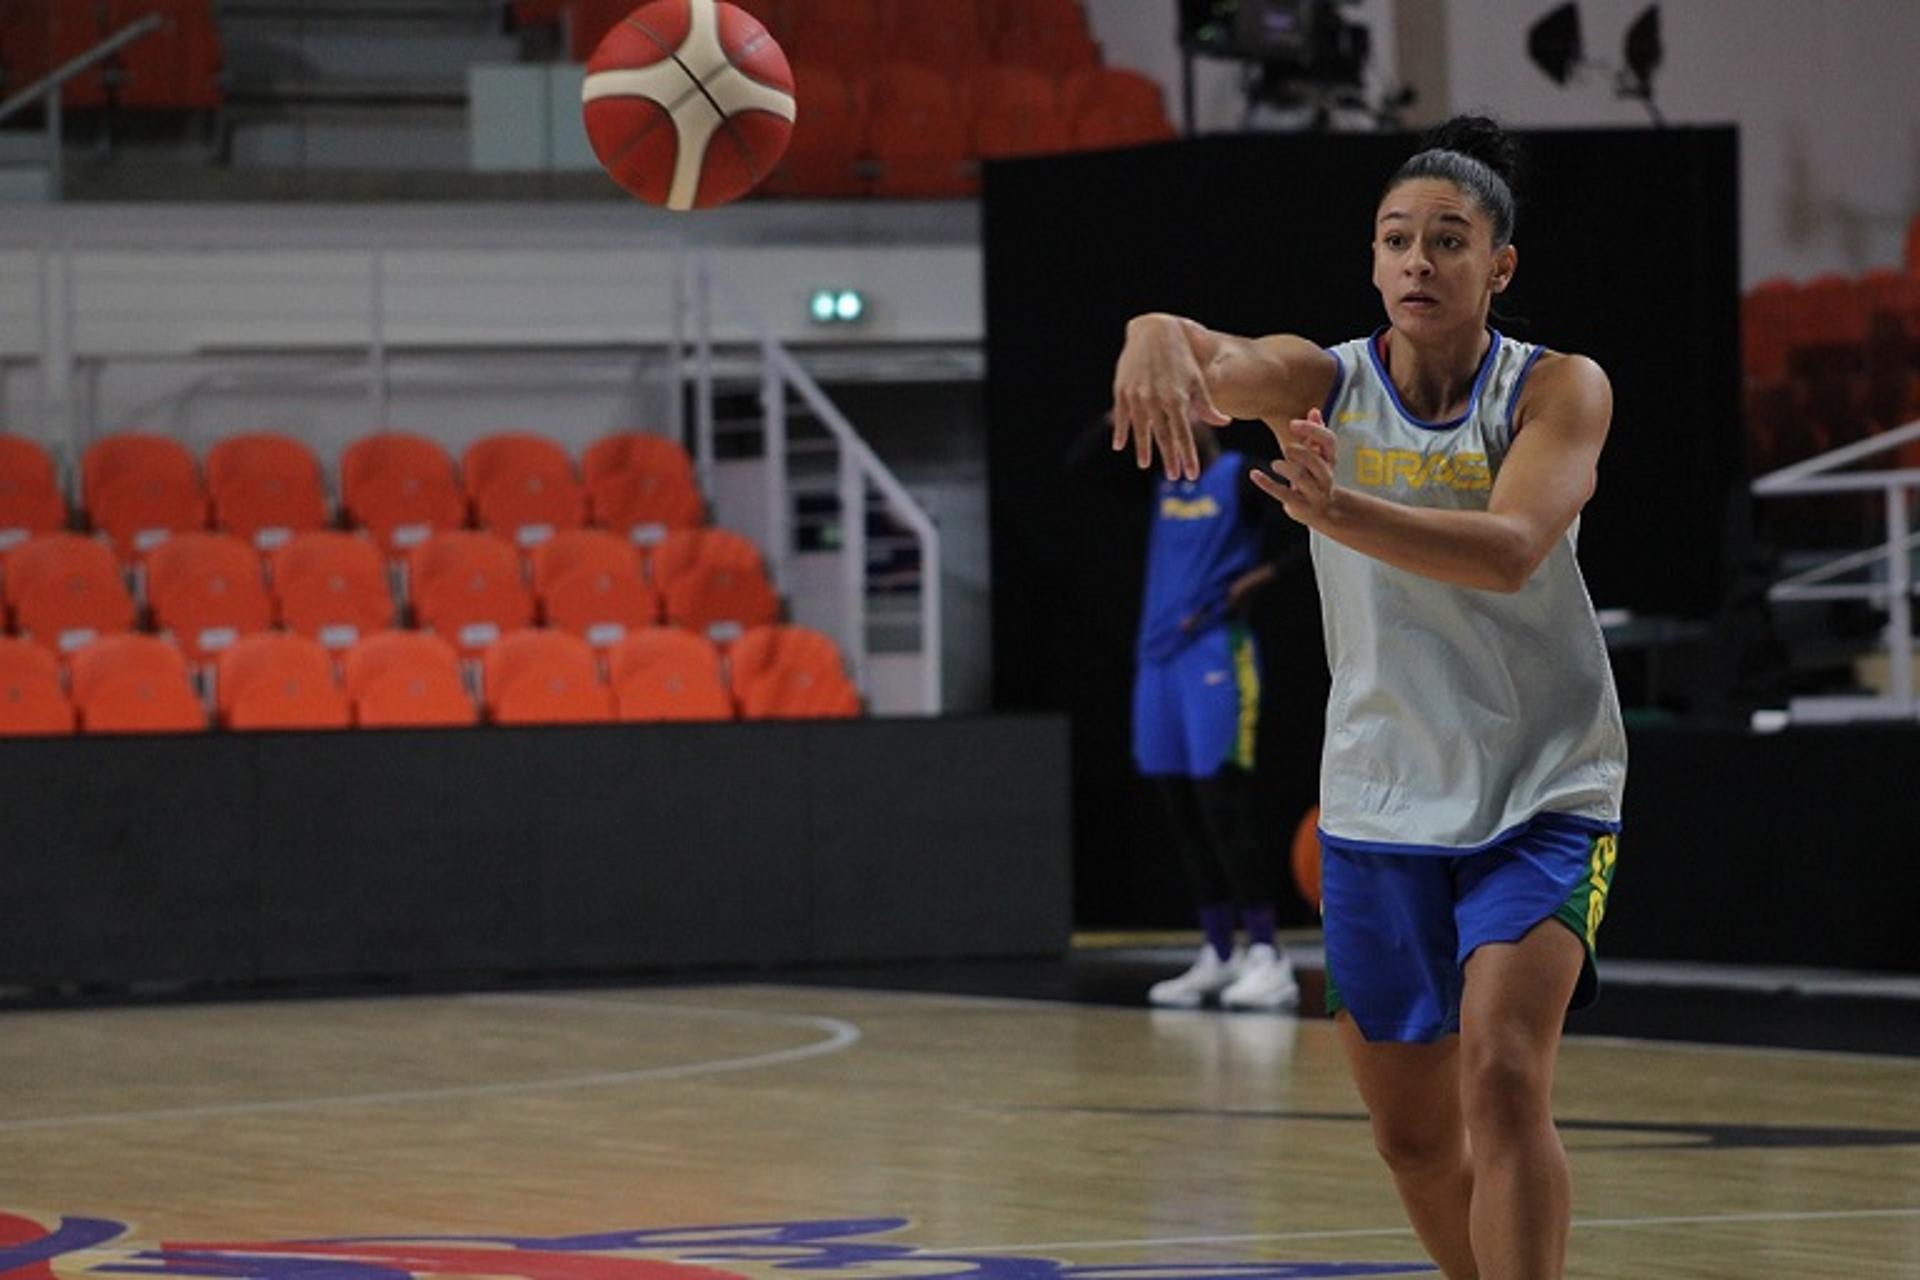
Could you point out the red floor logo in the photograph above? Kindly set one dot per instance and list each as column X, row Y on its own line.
column 97, row 1247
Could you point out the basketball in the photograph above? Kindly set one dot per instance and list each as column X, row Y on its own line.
column 1306, row 857
column 688, row 103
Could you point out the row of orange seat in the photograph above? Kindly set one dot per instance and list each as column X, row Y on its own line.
column 139, row 489
column 276, row 680
column 853, row 33
column 177, row 67
column 1778, row 317
column 908, row 130
column 207, row 590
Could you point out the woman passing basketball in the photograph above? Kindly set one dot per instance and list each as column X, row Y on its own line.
column 1474, row 759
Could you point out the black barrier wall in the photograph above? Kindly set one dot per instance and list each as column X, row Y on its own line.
column 313, row 856
column 1628, row 251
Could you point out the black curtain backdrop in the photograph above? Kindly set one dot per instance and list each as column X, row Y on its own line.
column 1629, row 244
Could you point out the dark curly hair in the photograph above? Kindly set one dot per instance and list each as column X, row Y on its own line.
column 1476, row 155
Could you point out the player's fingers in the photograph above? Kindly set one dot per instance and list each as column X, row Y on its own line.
column 1205, row 410
column 1272, row 488
column 1120, row 422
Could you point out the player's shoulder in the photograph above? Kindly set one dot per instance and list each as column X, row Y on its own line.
column 1557, row 376
column 1565, row 384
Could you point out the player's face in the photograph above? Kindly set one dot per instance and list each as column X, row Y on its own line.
column 1433, row 257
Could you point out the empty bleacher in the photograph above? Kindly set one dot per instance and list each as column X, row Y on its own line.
column 395, row 610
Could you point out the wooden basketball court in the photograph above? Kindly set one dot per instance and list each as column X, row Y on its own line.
column 932, row 1135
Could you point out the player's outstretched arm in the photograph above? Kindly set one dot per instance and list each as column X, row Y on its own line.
column 1174, row 373
column 1547, row 477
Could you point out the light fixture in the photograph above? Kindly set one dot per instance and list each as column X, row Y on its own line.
column 837, row 306
column 1554, row 43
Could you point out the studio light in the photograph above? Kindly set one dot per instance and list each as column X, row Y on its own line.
column 1554, row 43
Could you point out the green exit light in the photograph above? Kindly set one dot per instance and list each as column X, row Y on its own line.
column 837, row 306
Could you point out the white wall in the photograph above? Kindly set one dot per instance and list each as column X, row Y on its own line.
column 1826, row 94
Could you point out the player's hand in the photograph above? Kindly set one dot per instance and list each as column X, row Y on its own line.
column 1159, row 393
column 1305, row 486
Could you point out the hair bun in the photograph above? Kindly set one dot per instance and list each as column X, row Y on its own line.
column 1479, row 137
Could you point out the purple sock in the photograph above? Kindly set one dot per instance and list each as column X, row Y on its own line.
column 1259, row 923
column 1216, row 918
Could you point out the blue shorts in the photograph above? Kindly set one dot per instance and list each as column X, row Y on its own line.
column 1399, row 927
column 1198, row 710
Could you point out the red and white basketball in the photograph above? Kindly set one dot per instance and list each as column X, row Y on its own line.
column 688, row 103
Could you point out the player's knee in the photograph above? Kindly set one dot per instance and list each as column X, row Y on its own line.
column 1416, row 1146
column 1504, row 1089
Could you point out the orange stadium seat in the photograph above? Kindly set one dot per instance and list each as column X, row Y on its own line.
column 917, row 134
column 31, row 700
column 402, row 488
column 65, row 591
column 1766, row 329
column 713, row 582
column 1050, row 36
column 176, row 68
column 544, row 677
column 665, row 673
column 467, row 586
column 38, row 35
column 572, row 551
column 141, row 489
column 522, row 487
column 775, row 15
column 588, row 21
column 589, row 582
column 135, row 684
column 266, row 488
column 332, row 587
column 1017, row 112
column 846, row 35
column 641, row 485
column 1112, row 107
column 407, row 678
column 601, row 606
column 1831, row 313
column 205, row 590
column 1895, row 295
column 948, row 37
column 790, row 673
column 274, row 680
column 824, row 157
column 30, row 498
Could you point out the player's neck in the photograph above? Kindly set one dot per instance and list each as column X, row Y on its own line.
column 1434, row 377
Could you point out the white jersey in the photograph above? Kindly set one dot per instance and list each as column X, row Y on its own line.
column 1457, row 716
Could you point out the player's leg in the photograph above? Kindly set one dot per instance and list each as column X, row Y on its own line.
column 1528, row 916
column 1162, row 756
column 1511, row 1013
column 1412, row 1095
column 1393, row 983
column 1220, row 700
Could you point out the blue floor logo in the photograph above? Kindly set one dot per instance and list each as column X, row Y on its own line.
column 75, row 1247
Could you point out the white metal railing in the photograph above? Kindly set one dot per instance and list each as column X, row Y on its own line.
column 859, row 469
column 50, row 85
column 1893, row 558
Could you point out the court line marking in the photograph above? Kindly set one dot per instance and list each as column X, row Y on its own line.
column 1664, row 1220
column 839, row 1035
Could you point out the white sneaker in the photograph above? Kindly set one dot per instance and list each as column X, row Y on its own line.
column 1266, row 982
column 1208, row 975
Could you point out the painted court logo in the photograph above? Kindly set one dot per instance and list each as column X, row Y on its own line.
column 98, row 1247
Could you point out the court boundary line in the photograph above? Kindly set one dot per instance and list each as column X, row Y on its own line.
column 1735, row 1217
column 840, row 1035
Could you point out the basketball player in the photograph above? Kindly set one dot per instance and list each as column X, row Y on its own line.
column 1196, row 707
column 1474, row 760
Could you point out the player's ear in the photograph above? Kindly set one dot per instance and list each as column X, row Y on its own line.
column 1505, row 259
